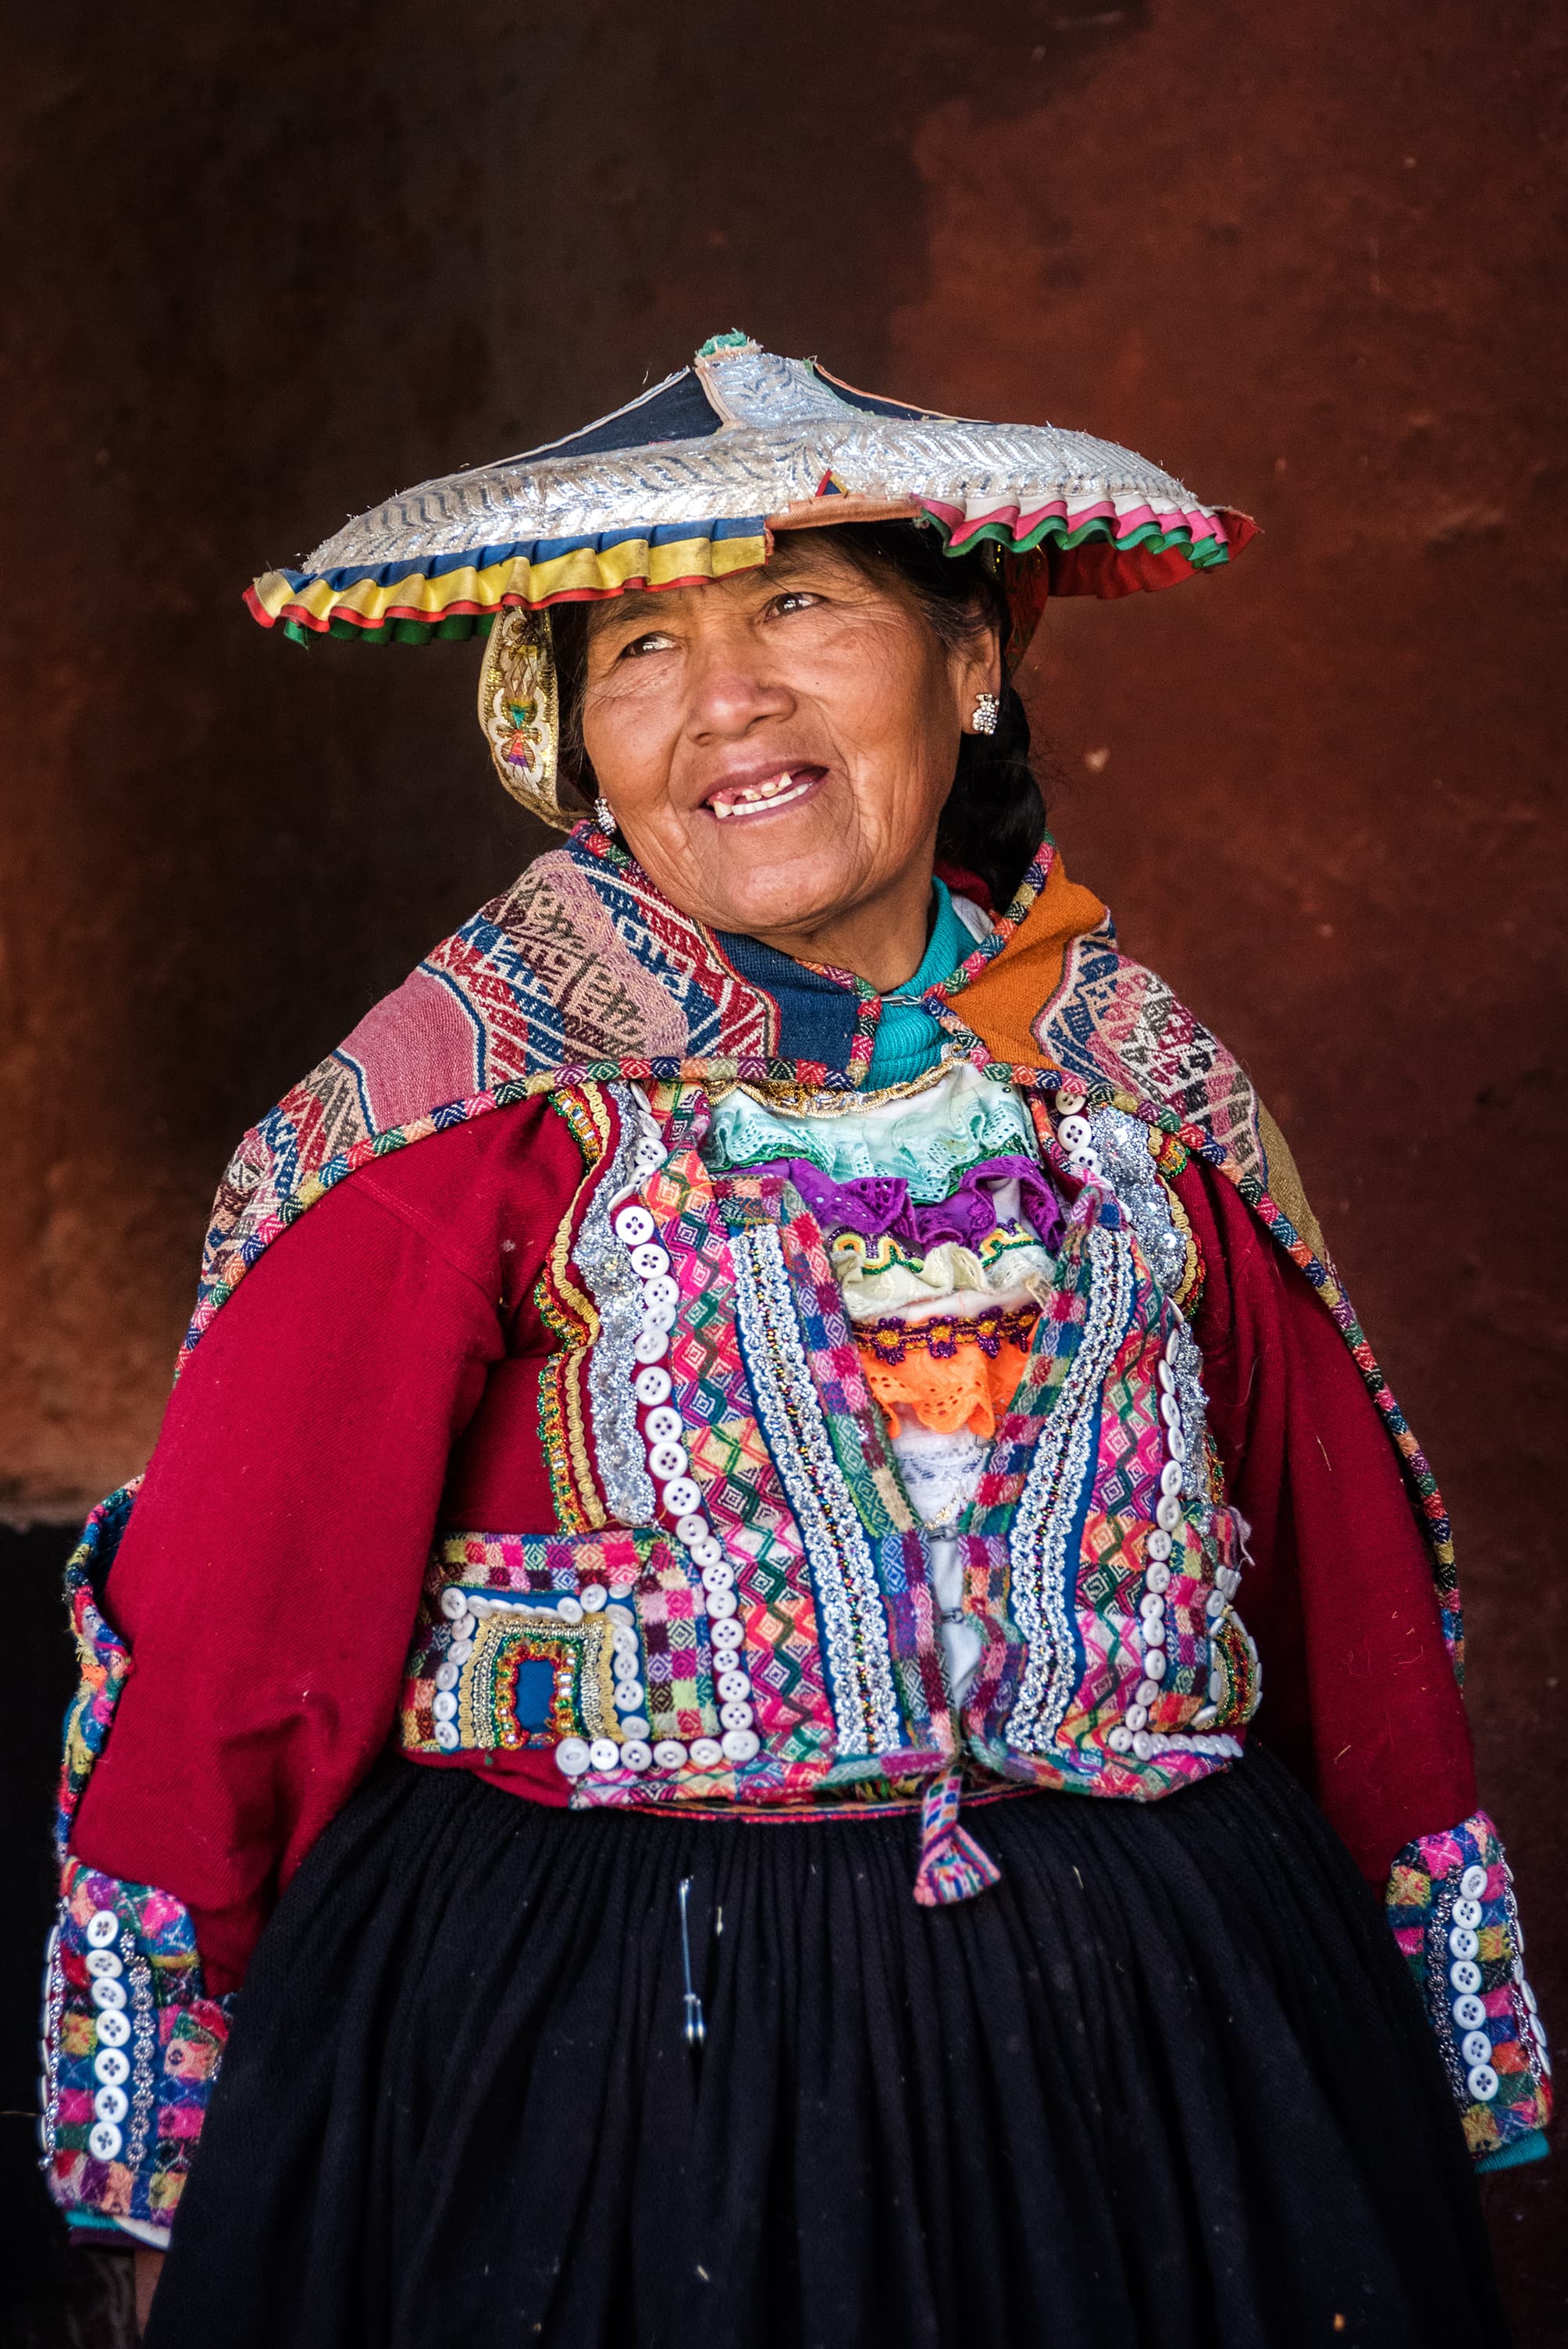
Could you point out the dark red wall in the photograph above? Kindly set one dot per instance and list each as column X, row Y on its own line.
column 264, row 267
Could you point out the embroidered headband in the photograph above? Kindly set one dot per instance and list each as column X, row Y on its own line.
column 689, row 482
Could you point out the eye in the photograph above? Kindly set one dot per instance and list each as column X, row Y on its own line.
column 656, row 641
column 794, row 599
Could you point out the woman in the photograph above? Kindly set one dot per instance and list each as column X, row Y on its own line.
column 641, row 1572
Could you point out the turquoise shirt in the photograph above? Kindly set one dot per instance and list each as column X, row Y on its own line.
column 909, row 1041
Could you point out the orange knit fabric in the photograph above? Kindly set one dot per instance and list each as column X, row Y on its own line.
column 968, row 1388
column 1009, row 994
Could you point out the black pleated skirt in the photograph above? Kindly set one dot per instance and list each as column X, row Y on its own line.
column 1167, row 2083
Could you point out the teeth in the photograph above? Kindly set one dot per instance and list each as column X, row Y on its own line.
column 756, row 795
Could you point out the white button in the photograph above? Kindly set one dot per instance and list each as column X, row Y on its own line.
column 1215, row 1604
column 105, row 2141
column 446, row 1675
column 657, row 1317
column 1154, row 1663
column 1482, row 2082
column 623, row 1642
column 719, row 1574
column 1205, row 1716
column 113, row 2028
column 592, row 1596
column 736, row 1715
column 1170, row 1477
column 629, row 1695
column 649, row 1259
column 1074, row 1133
column 1119, row 1740
column 103, row 1964
column 732, row 1685
column 1467, row 1912
column 103, row 1927
column 634, row 1726
column 652, row 1386
column 648, row 1156
column 1529, row 1997
column 570, row 1609
column 1463, row 1942
column 707, row 1753
column 1473, row 1883
column 636, row 1754
column 107, row 1993
column 459, row 1651
column 1143, row 1744
column 693, row 1528
column 1476, row 2047
column 1176, row 1443
column 1083, row 1164
column 445, row 1706
column 111, row 2104
column 1464, row 1975
column 448, row 1736
column 479, row 1609
column 1169, row 1408
column 668, row 1460
column 462, row 1647
column 624, row 1662
column 650, row 1345
column 728, row 1634
column 664, row 1425
column 740, row 1744
column 1167, row 1377
column 1148, row 1692
column 1152, row 1606
column 573, row 1756
column 721, row 1603
column 1138, row 1716
column 454, row 1602
column 1217, row 1687
column 1173, row 1345
column 1158, row 1545
column 620, row 1615
column 659, row 1293
column 680, row 1497
column 1517, row 1968
column 1070, row 1101
column 633, row 1225
column 1229, row 1580
column 112, row 2066
column 1469, row 2013
column 669, row 1753
column 708, row 1553
column 1169, row 1513
column 604, row 1753
column 1158, row 1576
column 1153, row 1633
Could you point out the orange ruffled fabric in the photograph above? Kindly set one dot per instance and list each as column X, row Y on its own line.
column 949, row 1373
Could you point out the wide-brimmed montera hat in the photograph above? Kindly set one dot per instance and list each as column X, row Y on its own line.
column 688, row 482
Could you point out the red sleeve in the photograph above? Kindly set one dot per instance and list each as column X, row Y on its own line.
column 269, row 1577
column 1359, row 1696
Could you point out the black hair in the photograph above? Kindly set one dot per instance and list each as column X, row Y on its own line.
column 995, row 817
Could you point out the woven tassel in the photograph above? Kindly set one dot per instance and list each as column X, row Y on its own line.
column 952, row 1865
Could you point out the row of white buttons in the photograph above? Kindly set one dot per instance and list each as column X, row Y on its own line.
column 464, row 1609
column 1464, row 1975
column 111, row 2065
column 669, row 1463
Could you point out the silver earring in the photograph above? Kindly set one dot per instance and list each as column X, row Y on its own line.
column 987, row 708
column 604, row 817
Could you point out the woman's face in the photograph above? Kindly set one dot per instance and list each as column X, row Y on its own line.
column 776, row 746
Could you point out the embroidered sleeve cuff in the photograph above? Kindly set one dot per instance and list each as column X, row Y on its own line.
column 132, row 2047
column 1450, row 1903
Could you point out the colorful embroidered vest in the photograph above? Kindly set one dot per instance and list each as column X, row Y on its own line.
column 738, row 1602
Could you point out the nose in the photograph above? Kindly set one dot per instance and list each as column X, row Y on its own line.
column 730, row 687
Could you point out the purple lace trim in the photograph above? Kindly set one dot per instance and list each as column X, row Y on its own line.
column 875, row 1204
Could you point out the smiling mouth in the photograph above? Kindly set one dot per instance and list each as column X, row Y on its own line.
column 761, row 798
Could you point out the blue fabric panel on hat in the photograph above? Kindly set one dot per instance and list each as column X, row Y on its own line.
column 676, row 410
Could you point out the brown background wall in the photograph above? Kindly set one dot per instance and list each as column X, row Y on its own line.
column 265, row 266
